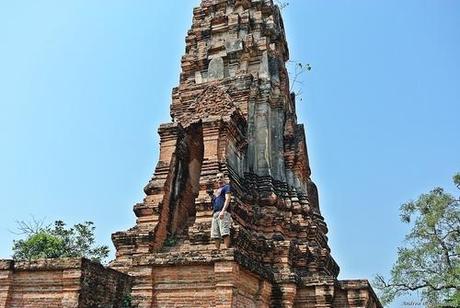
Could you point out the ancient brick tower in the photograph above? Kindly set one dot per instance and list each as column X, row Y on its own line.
column 233, row 113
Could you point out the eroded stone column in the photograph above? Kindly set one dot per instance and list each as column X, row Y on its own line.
column 201, row 229
column 71, row 287
column 225, row 274
column 143, row 288
column 262, row 139
column 289, row 292
column 324, row 296
column 263, row 294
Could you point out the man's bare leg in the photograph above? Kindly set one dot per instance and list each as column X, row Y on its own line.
column 227, row 241
column 217, row 243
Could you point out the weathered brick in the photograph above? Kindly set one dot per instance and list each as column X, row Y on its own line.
column 61, row 283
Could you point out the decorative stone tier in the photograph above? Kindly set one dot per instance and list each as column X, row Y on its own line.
column 61, row 283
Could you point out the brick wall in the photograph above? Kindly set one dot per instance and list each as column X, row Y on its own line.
column 338, row 294
column 356, row 293
column 54, row 283
column 212, row 285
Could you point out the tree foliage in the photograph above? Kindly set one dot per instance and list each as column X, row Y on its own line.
column 430, row 260
column 57, row 241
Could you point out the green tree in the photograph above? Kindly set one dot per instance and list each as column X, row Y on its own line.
column 429, row 262
column 58, row 241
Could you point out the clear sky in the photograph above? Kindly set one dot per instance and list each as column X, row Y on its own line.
column 85, row 84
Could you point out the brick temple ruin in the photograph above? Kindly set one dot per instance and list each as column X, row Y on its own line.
column 233, row 113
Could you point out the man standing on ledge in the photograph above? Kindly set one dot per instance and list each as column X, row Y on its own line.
column 221, row 218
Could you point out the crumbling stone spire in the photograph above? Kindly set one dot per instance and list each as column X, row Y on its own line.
column 233, row 113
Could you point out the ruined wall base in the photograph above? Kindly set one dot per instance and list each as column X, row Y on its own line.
column 225, row 279
column 337, row 294
column 181, row 280
column 56, row 283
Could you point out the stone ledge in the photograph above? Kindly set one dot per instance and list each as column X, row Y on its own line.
column 6, row 264
column 45, row 264
column 57, row 264
column 354, row 284
column 49, row 264
column 186, row 258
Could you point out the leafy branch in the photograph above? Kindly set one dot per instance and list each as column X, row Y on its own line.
column 430, row 260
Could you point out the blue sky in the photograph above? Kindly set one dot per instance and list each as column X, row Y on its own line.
column 85, row 84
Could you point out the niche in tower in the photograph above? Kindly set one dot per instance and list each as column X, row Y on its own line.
column 186, row 186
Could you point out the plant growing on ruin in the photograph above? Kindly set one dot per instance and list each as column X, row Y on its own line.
column 171, row 240
column 296, row 71
column 282, row 4
column 127, row 302
column 57, row 241
column 430, row 260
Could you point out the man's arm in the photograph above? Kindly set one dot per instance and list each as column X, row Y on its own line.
column 228, row 196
